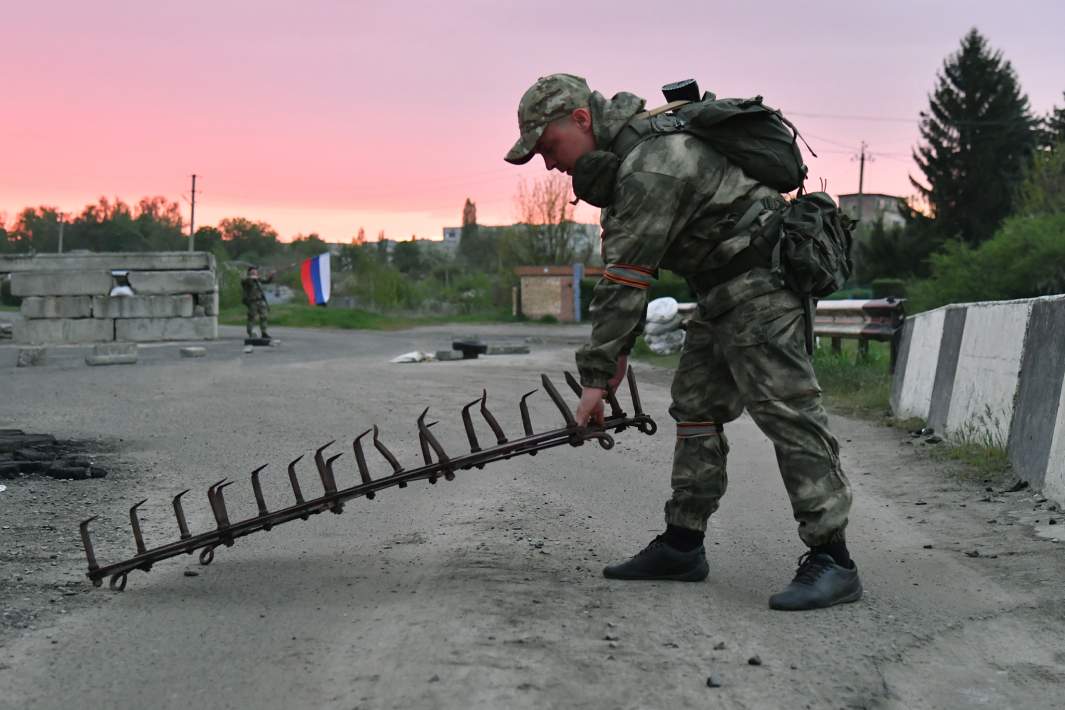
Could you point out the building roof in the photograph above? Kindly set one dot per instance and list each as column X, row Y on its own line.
column 870, row 194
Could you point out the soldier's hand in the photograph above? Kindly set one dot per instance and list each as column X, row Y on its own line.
column 591, row 406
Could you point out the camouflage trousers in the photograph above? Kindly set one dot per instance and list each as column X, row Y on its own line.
column 754, row 357
column 257, row 311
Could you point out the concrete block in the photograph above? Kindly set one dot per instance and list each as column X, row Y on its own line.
column 194, row 351
column 67, row 283
column 6, row 330
column 507, row 350
column 31, row 357
column 106, row 261
column 209, row 302
column 150, row 283
column 150, row 329
column 113, row 354
column 987, row 371
column 64, row 330
column 56, row 307
column 142, row 306
column 445, row 355
column 1054, row 478
column 914, row 397
column 1037, row 412
column 946, row 367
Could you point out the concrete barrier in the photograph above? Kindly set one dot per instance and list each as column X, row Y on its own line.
column 156, row 261
column 159, row 296
column 918, row 360
column 992, row 373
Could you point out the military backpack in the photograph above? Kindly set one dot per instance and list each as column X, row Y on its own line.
column 810, row 242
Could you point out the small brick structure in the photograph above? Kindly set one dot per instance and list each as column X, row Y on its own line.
column 75, row 298
column 553, row 290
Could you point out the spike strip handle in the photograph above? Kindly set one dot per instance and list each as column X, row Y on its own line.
column 226, row 531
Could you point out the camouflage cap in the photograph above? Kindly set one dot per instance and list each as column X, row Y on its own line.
column 549, row 99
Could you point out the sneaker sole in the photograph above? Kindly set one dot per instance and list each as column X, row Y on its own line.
column 849, row 599
column 697, row 575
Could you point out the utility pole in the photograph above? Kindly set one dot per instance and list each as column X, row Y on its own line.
column 862, row 157
column 192, row 215
column 61, row 218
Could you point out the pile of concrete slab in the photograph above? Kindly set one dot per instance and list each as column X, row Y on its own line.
column 126, row 297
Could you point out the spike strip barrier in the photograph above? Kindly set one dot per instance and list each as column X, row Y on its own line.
column 333, row 499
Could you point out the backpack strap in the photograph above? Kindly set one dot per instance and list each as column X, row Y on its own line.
column 644, row 125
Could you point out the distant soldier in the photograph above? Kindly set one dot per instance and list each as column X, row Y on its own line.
column 255, row 300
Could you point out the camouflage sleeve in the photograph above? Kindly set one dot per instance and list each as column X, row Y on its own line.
column 636, row 234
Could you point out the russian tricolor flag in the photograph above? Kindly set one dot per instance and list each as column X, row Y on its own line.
column 315, row 276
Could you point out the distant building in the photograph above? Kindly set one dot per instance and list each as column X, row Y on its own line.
column 553, row 291
column 868, row 207
column 452, row 237
column 586, row 237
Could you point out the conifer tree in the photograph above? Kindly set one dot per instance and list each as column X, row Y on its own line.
column 978, row 137
column 1054, row 127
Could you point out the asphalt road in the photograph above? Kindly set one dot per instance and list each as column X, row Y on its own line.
column 486, row 592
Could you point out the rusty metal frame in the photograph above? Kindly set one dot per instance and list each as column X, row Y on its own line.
column 436, row 463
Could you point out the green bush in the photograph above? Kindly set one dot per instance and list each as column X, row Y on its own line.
column 1025, row 258
column 889, row 288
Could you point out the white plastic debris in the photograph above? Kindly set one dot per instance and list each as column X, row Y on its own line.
column 667, row 343
column 662, row 310
column 659, row 328
column 412, row 356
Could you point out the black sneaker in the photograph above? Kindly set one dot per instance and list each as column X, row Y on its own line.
column 659, row 560
column 819, row 582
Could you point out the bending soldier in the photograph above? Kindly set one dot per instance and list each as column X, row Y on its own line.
column 255, row 300
column 672, row 201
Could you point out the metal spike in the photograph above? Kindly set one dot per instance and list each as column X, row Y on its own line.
column 337, row 506
column 294, row 480
column 328, row 481
column 383, row 450
column 86, row 542
column 634, row 392
column 467, row 423
column 179, row 513
column 552, row 392
column 423, row 441
column 218, row 503
column 431, row 440
column 260, row 502
column 136, row 525
column 501, row 438
column 574, row 385
column 360, row 461
column 526, row 420
column 616, row 412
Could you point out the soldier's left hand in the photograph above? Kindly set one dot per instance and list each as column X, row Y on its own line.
column 591, row 406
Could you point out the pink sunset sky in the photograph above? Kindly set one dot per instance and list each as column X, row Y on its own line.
column 324, row 116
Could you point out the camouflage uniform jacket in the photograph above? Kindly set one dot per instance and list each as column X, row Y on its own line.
column 675, row 203
column 253, row 290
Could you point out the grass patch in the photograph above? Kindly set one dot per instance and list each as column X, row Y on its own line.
column 853, row 385
column 12, row 309
column 978, row 462
column 298, row 315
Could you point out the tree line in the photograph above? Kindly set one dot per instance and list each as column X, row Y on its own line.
column 988, row 221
